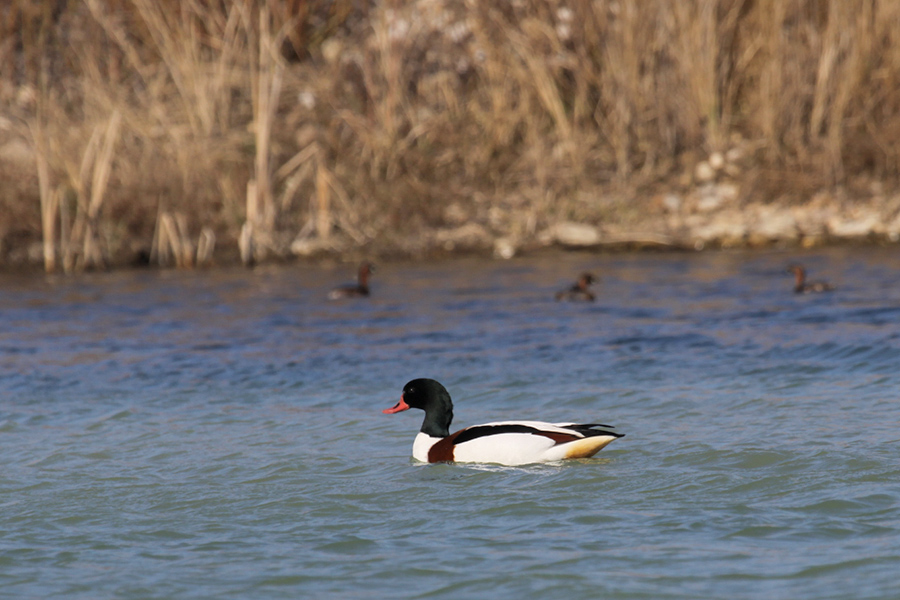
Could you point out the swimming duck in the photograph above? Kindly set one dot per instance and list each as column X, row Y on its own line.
column 579, row 290
column 503, row 442
column 361, row 289
column 802, row 287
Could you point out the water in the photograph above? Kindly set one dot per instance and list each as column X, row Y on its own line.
column 219, row 434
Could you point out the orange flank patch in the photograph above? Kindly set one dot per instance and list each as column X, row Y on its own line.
column 443, row 450
column 587, row 447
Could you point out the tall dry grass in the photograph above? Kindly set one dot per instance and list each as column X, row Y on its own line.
column 362, row 123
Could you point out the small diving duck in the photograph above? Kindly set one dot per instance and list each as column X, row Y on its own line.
column 503, row 442
column 801, row 286
column 361, row 289
column 579, row 290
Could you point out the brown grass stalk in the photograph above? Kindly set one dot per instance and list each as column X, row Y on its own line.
column 96, row 166
column 206, row 247
column 696, row 30
column 49, row 196
column 323, row 202
column 172, row 243
column 266, row 79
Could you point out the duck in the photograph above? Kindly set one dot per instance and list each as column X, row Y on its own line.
column 579, row 290
column 360, row 290
column 509, row 443
column 801, row 286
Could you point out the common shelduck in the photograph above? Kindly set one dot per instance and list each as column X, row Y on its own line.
column 361, row 289
column 503, row 442
column 579, row 290
column 801, row 286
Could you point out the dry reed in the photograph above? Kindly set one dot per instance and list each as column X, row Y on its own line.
column 390, row 115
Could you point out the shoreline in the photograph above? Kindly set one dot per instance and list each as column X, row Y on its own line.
column 756, row 227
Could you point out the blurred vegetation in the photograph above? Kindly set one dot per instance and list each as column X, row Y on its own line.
column 131, row 128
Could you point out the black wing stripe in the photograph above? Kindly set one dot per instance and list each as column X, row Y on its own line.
column 478, row 431
column 587, row 430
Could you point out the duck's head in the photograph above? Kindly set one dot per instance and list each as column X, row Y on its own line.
column 433, row 398
column 420, row 393
column 586, row 279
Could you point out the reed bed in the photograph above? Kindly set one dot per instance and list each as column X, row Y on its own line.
column 362, row 126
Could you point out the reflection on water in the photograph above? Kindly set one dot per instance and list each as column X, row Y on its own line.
column 219, row 433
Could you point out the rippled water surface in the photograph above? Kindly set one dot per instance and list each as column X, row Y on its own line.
column 219, row 434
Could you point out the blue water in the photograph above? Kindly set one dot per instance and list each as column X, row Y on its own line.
column 219, row 434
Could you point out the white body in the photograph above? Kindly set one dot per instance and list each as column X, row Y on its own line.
column 517, row 448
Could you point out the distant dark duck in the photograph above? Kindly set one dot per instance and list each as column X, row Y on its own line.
column 502, row 442
column 801, row 286
column 361, row 289
column 579, row 290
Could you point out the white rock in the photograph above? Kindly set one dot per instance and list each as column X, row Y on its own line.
column 455, row 214
column 725, row 226
column 569, row 233
column 728, row 191
column 735, row 154
column 306, row 99
column 671, row 202
column 709, row 199
column 470, row 235
column 703, row 172
column 811, row 220
column 892, row 229
column 332, row 49
column 504, row 248
column 854, row 227
column 309, row 246
column 775, row 223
